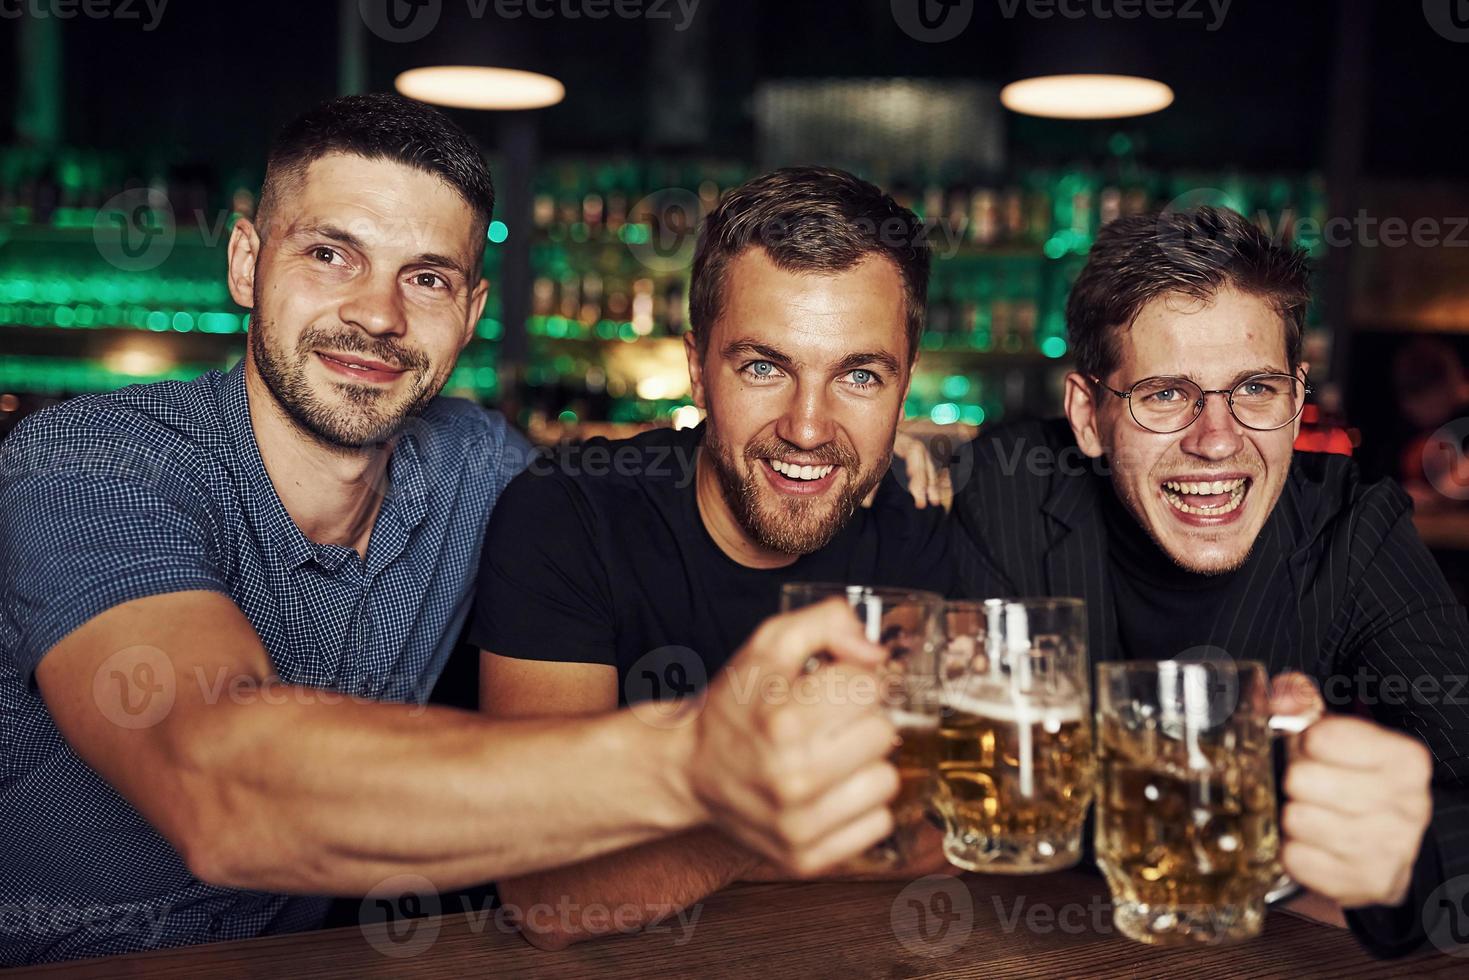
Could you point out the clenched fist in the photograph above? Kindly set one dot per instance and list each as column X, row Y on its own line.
column 1357, row 803
column 803, row 781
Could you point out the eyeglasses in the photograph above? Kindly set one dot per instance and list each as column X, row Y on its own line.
column 1262, row 402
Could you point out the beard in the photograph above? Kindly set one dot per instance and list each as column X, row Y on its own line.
column 793, row 526
column 359, row 416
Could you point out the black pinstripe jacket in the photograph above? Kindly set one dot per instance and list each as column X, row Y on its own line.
column 1357, row 602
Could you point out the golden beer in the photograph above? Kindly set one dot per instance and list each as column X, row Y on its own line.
column 1190, row 850
column 1014, row 784
column 1186, row 831
column 914, row 759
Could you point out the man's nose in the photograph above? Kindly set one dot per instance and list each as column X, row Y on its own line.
column 376, row 306
column 1216, row 434
column 806, row 421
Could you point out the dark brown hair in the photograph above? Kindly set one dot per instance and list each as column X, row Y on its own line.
column 1195, row 252
column 381, row 126
column 808, row 219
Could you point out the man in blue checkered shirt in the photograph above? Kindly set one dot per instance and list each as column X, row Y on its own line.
column 224, row 603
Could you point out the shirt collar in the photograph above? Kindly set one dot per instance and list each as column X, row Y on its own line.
column 404, row 503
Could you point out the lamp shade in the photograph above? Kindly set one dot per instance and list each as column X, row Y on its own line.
column 1086, row 96
column 1086, row 68
column 480, row 87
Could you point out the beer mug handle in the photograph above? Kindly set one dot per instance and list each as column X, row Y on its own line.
column 1293, row 724
column 1286, row 887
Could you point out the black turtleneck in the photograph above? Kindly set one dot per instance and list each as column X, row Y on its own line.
column 1164, row 610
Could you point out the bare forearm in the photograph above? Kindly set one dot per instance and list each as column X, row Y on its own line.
column 303, row 796
column 626, row 891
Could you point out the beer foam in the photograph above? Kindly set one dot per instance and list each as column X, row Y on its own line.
column 1014, row 712
column 912, row 720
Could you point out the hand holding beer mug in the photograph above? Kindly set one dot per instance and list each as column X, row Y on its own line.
column 1186, row 817
column 1015, row 747
column 909, row 625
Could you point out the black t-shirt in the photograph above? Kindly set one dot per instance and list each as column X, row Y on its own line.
column 597, row 554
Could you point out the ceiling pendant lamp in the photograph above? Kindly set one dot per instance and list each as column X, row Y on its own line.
column 480, row 87
column 1086, row 96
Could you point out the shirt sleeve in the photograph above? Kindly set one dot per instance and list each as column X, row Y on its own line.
column 93, row 516
column 543, row 591
column 1407, row 663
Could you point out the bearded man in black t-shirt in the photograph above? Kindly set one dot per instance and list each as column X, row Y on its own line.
column 625, row 571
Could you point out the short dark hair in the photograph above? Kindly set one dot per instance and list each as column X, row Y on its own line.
column 381, row 126
column 1195, row 252
column 808, row 219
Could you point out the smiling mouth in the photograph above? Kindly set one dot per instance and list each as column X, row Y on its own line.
column 1206, row 498
column 362, row 367
column 794, row 471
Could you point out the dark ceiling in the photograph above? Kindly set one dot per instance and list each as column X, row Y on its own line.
column 214, row 78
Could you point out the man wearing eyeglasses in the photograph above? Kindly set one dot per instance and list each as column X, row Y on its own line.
column 1171, row 499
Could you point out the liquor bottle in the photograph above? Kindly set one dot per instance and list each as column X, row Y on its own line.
column 985, row 217
column 543, row 296
column 642, row 307
column 1109, row 205
column 1024, row 310
column 591, row 299
column 675, row 307
column 1013, row 218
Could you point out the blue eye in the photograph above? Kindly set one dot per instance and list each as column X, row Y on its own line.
column 863, row 378
column 762, row 369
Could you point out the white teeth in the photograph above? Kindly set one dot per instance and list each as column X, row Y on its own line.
column 795, row 472
column 1236, row 496
column 1218, row 486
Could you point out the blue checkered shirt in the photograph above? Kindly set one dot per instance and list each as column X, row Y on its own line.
column 160, row 488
